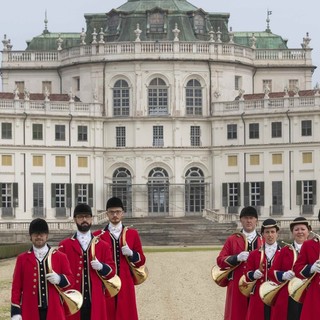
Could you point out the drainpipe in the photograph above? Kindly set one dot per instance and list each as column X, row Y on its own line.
column 60, row 84
column 24, row 164
column 244, row 154
column 70, row 166
column 104, row 90
column 290, row 163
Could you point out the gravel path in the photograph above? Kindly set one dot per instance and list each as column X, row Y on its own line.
column 179, row 287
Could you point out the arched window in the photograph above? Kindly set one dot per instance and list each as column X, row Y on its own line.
column 157, row 97
column 158, row 191
column 121, row 98
column 122, row 187
column 194, row 98
column 194, row 191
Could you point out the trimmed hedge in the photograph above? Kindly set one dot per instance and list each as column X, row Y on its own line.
column 12, row 250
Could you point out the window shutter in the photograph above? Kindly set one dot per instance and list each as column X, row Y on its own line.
column 299, row 198
column 1, row 186
column 225, row 195
column 246, row 194
column 314, row 191
column 90, row 199
column 76, row 188
column 261, row 194
column 15, row 203
column 53, row 195
column 69, row 195
column 239, row 194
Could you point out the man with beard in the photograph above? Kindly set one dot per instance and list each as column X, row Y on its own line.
column 88, row 271
column 34, row 296
column 123, row 305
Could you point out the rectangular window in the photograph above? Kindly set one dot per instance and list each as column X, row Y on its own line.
column 277, row 158
column 233, row 194
column 37, row 161
column 195, row 136
column 307, row 192
column 255, row 193
column 37, row 131
column 20, row 86
column 232, row 131
column 158, row 136
column 6, row 130
column 38, row 196
column 232, row 161
column 254, row 159
column 306, row 128
column 307, row 157
column 46, row 87
column 120, row 136
column 237, row 82
column 82, row 193
column 276, row 192
column 6, row 160
column 83, row 162
column 76, row 83
column 293, row 84
column 60, row 161
column 267, row 84
column 60, row 132
column 276, row 129
column 60, row 195
column 254, row 130
column 82, row 133
column 6, row 195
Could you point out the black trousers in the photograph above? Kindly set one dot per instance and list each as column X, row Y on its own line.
column 85, row 313
column 43, row 313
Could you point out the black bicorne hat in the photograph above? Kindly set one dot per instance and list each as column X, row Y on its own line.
column 249, row 212
column 38, row 225
column 114, row 202
column 82, row 208
column 300, row 220
column 269, row 223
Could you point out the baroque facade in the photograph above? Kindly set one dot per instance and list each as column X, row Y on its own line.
column 164, row 107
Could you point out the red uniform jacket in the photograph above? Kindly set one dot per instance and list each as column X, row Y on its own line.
column 123, row 305
column 283, row 262
column 236, row 303
column 310, row 252
column 256, row 305
column 72, row 248
column 25, row 286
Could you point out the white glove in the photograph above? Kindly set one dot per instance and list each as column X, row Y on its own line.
column 288, row 275
column 126, row 251
column 257, row 274
column 16, row 317
column 243, row 256
column 315, row 267
column 96, row 265
column 53, row 278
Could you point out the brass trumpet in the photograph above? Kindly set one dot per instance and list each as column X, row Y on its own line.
column 72, row 299
column 112, row 285
column 220, row 276
column 269, row 289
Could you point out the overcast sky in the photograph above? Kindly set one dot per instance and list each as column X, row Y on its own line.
column 23, row 19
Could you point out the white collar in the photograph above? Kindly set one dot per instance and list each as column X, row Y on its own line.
column 40, row 253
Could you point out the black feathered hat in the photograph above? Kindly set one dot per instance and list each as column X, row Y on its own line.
column 114, row 202
column 82, row 208
column 269, row 223
column 249, row 212
column 38, row 225
column 300, row 220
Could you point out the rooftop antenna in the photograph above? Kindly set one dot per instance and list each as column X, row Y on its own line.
column 45, row 31
column 269, row 13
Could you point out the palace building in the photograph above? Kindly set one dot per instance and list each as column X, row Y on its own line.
column 160, row 104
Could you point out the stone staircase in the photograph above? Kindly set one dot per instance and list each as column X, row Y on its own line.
column 185, row 231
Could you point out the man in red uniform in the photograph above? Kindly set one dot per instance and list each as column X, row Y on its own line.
column 87, row 271
column 281, row 271
column 123, row 305
column 235, row 252
column 34, row 296
column 258, row 264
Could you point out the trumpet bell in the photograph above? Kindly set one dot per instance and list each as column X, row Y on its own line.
column 220, row 277
column 269, row 290
column 296, row 288
column 246, row 287
column 112, row 285
column 72, row 301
